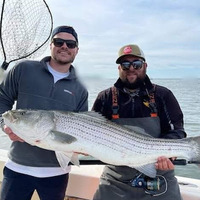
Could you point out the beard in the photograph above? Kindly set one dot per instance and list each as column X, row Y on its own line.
column 63, row 60
column 137, row 84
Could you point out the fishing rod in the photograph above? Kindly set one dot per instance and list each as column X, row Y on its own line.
column 184, row 162
column 150, row 185
column 98, row 162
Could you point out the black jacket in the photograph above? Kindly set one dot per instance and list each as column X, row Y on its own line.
column 168, row 109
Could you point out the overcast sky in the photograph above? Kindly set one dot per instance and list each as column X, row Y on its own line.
column 168, row 31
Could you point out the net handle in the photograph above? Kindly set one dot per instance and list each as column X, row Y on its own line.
column 1, row 40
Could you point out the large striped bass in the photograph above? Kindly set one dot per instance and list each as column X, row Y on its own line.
column 90, row 133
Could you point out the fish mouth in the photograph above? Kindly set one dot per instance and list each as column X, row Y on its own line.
column 9, row 115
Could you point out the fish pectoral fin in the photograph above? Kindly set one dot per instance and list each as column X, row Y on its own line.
column 148, row 170
column 137, row 129
column 62, row 137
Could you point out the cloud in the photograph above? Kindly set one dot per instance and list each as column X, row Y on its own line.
column 167, row 31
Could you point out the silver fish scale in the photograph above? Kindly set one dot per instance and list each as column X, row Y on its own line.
column 107, row 134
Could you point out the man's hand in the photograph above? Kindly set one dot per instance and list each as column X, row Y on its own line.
column 164, row 163
column 11, row 135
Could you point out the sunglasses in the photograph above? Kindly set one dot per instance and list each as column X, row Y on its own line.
column 58, row 42
column 137, row 64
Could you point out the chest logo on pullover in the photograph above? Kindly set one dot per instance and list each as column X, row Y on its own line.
column 69, row 92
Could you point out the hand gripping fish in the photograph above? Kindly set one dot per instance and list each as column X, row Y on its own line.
column 90, row 133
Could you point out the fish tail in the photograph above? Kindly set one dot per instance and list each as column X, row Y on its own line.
column 195, row 144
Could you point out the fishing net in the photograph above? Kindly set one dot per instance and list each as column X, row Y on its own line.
column 25, row 28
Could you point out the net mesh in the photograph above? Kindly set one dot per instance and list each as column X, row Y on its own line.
column 26, row 26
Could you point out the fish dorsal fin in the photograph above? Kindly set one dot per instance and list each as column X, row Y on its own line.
column 149, row 170
column 137, row 129
column 95, row 115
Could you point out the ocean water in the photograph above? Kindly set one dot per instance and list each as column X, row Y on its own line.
column 185, row 90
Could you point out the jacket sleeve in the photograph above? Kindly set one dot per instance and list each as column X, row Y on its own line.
column 8, row 91
column 172, row 124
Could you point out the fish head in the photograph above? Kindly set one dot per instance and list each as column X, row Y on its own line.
column 30, row 125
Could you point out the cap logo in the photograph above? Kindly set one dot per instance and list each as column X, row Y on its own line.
column 127, row 50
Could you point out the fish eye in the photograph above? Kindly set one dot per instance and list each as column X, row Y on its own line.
column 22, row 113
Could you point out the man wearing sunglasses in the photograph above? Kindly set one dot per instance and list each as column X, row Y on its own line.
column 136, row 102
column 49, row 84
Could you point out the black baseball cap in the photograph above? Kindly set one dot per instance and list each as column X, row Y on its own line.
column 66, row 29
